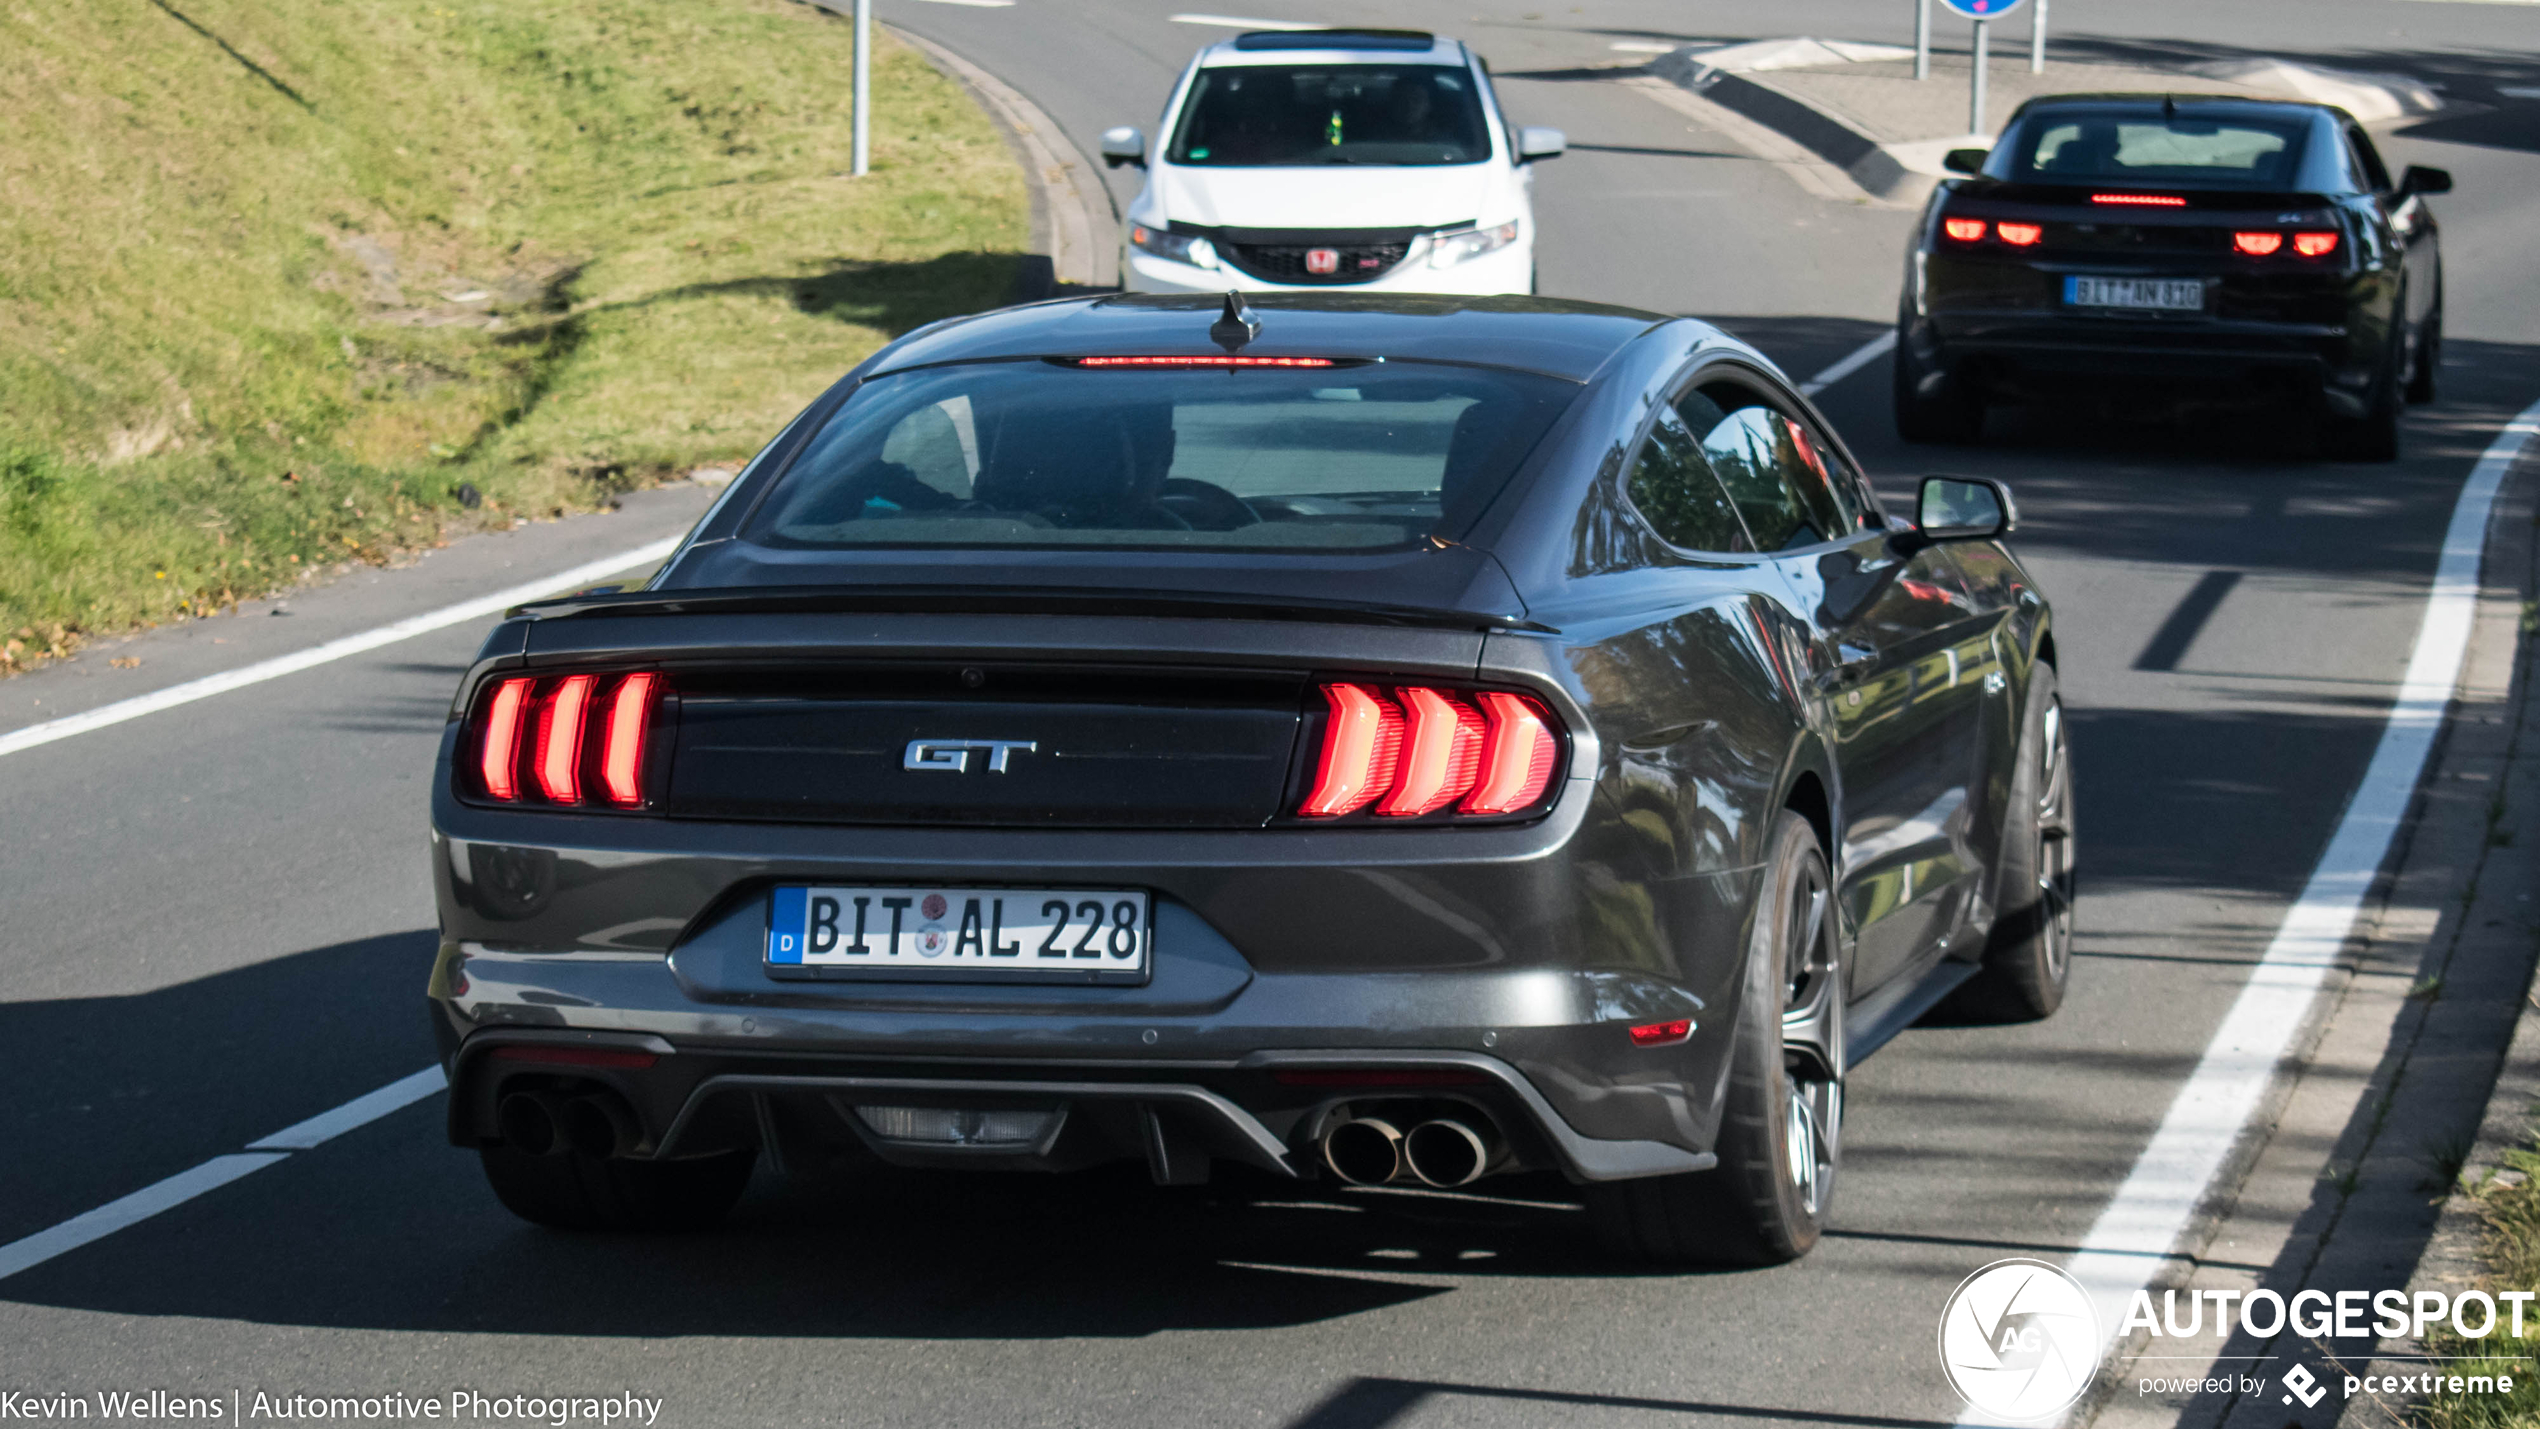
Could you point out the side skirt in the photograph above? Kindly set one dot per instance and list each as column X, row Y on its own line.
column 1892, row 1009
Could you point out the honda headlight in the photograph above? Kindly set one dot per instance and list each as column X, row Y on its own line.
column 1180, row 247
column 1449, row 249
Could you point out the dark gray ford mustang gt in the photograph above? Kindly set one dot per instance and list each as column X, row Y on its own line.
column 1392, row 738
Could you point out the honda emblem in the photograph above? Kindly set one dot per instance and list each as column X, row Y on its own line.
column 1322, row 260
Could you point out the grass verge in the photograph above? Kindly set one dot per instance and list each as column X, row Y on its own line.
column 285, row 283
column 2509, row 1256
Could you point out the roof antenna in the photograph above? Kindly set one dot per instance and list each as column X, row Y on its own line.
column 1238, row 325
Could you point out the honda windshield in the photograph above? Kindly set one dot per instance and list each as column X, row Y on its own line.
column 1281, row 115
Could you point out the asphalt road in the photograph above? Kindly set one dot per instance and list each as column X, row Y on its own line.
column 214, row 920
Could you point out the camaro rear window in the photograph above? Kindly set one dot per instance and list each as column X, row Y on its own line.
column 1038, row 453
column 2139, row 148
column 1276, row 115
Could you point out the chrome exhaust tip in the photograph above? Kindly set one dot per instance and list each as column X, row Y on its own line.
column 1364, row 1152
column 598, row 1125
column 1445, row 1153
column 528, row 1123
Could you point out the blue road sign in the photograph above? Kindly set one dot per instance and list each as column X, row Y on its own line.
column 1981, row 9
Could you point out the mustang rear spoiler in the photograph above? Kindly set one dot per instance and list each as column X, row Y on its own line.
column 1016, row 600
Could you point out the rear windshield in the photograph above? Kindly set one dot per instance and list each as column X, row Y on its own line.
column 2133, row 147
column 1010, row 454
column 1269, row 115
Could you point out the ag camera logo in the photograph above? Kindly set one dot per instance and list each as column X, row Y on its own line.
column 2019, row 1339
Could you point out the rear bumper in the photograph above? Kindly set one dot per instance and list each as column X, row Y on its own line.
column 697, row 1099
column 2017, row 349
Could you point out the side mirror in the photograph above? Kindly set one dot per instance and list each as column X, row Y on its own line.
column 2421, row 180
column 1536, row 142
column 1965, row 508
column 1964, row 161
column 1124, row 145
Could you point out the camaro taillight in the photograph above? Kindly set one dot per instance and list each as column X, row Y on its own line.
column 1965, row 230
column 2315, row 245
column 560, row 733
column 2020, row 235
column 1417, row 750
column 2258, row 244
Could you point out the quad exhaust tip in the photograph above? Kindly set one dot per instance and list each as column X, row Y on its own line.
column 1442, row 1152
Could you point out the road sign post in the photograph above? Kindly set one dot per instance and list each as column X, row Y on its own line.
column 863, row 86
column 1984, row 13
column 2037, row 39
column 1922, row 39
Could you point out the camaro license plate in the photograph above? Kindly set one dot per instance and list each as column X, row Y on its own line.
column 2168, row 295
column 986, row 934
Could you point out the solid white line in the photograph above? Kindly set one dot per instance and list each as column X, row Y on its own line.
column 2151, row 1210
column 1238, row 22
column 280, row 665
column 140, row 1206
column 1860, row 357
column 977, row 4
column 1644, row 47
column 360, row 1111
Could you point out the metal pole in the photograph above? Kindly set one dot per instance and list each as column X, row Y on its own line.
column 1922, row 39
column 864, row 86
column 2037, row 37
column 1975, row 86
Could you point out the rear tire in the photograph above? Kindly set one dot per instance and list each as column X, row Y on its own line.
column 2028, row 960
column 2374, row 436
column 1780, row 1140
column 2422, row 377
column 1954, row 417
column 573, row 1192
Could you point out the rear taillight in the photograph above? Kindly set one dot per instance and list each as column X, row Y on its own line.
column 498, row 756
column 1965, row 230
column 1417, row 750
column 2315, row 245
column 575, row 740
column 2257, row 245
column 2019, row 235
column 2141, row 200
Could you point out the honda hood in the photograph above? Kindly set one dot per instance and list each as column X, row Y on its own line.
column 1322, row 197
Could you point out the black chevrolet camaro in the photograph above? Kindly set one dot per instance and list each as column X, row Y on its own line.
column 1397, row 739
column 2229, row 250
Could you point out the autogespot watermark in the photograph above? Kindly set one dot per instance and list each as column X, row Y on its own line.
column 252, row 1406
column 2021, row 1340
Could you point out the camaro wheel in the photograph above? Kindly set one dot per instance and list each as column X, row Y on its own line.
column 2374, row 436
column 2029, row 959
column 1781, row 1134
column 2422, row 376
column 573, row 1192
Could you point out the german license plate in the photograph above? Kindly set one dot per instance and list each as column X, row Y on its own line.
column 2168, row 295
column 984, row 934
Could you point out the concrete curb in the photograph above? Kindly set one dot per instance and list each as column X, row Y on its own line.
column 1902, row 171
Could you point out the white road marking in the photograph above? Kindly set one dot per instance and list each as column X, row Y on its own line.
column 2141, row 1225
column 263, row 670
column 1644, row 47
column 360, row 1111
column 977, row 4
column 1238, row 22
column 1860, row 357
column 176, row 1190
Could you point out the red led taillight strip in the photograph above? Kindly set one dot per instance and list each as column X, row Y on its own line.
column 1441, row 756
column 2145, row 200
column 1362, row 741
column 1517, row 756
column 559, row 764
column 1203, row 361
column 1424, row 749
column 622, row 739
column 499, row 758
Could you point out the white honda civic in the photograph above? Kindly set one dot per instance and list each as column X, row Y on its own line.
column 1323, row 158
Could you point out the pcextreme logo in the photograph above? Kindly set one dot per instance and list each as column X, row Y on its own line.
column 2019, row 1339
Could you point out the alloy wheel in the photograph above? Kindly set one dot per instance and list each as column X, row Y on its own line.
column 1812, row 1042
column 2055, row 844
